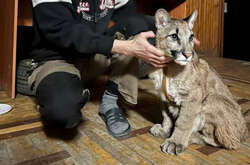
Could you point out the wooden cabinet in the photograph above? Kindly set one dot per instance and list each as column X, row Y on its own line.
column 12, row 14
column 208, row 28
column 8, row 36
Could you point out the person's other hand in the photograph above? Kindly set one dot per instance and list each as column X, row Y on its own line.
column 197, row 42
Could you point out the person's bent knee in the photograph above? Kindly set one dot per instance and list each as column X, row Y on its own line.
column 60, row 96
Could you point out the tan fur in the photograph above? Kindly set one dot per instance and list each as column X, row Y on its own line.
column 203, row 110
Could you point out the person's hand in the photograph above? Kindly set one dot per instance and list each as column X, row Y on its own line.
column 141, row 48
column 147, row 52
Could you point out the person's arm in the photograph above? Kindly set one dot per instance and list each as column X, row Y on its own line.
column 57, row 24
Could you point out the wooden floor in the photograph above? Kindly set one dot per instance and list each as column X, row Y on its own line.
column 24, row 140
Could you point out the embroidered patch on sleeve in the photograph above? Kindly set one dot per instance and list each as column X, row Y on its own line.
column 110, row 4
column 83, row 6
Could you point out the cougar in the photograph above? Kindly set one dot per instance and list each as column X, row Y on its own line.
column 199, row 108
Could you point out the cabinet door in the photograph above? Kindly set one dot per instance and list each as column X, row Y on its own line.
column 8, row 35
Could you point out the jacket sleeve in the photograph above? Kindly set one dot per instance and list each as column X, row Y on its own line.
column 57, row 24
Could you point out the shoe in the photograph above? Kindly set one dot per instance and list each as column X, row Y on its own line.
column 116, row 123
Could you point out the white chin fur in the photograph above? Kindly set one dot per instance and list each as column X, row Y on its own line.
column 182, row 60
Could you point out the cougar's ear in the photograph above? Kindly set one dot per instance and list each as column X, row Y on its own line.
column 191, row 19
column 161, row 18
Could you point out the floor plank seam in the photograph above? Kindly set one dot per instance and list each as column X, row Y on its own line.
column 14, row 124
column 145, row 158
column 48, row 159
column 242, row 101
column 134, row 133
column 207, row 150
column 20, row 133
column 228, row 77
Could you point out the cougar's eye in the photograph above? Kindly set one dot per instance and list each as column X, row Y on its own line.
column 174, row 36
column 191, row 38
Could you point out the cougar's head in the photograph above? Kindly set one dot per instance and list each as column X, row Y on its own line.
column 175, row 37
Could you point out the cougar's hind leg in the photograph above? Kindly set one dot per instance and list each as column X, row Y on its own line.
column 203, row 132
column 208, row 136
column 196, row 138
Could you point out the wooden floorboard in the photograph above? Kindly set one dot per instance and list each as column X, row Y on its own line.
column 148, row 147
column 25, row 141
column 20, row 130
column 29, row 148
column 85, row 151
column 119, row 151
column 48, row 159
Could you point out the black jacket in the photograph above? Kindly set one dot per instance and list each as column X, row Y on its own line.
column 73, row 28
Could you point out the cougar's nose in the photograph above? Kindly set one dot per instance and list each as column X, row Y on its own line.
column 187, row 54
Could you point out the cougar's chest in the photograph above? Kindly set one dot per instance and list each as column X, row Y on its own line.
column 176, row 86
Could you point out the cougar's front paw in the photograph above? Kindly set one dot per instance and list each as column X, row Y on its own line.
column 170, row 147
column 158, row 131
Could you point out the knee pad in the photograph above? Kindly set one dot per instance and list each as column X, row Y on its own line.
column 60, row 96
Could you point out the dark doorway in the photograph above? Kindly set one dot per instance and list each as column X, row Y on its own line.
column 236, row 31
